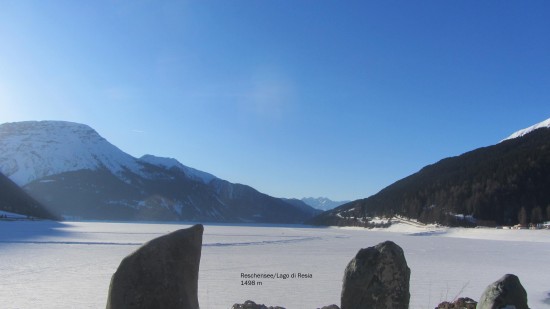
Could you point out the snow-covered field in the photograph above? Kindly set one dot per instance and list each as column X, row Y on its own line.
column 68, row 265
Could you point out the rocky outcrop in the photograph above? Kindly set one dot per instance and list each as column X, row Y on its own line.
column 377, row 278
column 252, row 305
column 504, row 293
column 163, row 273
column 461, row 303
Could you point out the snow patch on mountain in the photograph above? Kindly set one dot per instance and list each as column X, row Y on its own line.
column 544, row 124
column 170, row 163
column 322, row 203
column 35, row 149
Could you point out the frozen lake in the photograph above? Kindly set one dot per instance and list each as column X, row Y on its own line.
column 69, row 264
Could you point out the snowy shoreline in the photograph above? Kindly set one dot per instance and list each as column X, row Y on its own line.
column 482, row 233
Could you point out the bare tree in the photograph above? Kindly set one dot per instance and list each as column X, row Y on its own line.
column 522, row 216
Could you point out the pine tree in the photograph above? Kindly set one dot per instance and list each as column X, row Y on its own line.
column 536, row 215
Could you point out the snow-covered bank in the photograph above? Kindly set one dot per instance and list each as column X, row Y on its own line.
column 68, row 265
column 482, row 233
column 542, row 236
column 415, row 228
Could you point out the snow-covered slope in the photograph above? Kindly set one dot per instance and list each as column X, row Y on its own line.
column 544, row 124
column 35, row 149
column 169, row 163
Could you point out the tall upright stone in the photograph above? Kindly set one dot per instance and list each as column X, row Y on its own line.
column 377, row 278
column 504, row 293
column 163, row 273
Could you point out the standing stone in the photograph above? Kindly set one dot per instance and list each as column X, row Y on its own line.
column 504, row 293
column 377, row 278
column 163, row 273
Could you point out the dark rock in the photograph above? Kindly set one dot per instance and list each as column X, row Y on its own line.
column 445, row 305
column 252, row 305
column 461, row 303
column 507, row 291
column 377, row 278
column 163, row 273
column 331, row 307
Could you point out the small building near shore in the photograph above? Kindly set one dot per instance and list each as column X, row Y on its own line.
column 519, row 227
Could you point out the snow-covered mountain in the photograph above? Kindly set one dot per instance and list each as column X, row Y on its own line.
column 543, row 124
column 171, row 163
column 33, row 150
column 74, row 171
column 322, row 203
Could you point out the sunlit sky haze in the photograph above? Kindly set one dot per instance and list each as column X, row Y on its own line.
column 295, row 98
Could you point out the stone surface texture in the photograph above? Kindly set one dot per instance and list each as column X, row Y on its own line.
column 163, row 273
column 504, row 293
column 377, row 278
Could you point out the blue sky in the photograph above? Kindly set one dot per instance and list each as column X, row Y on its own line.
column 295, row 98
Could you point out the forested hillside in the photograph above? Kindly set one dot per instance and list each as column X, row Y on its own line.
column 16, row 200
column 501, row 184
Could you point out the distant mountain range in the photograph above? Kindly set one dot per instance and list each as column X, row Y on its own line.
column 68, row 169
column 76, row 173
column 501, row 184
column 322, row 203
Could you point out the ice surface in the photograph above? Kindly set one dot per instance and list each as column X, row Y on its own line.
column 69, row 265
